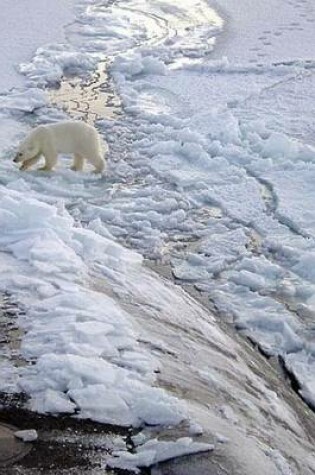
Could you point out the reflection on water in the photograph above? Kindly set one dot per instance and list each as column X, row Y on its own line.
column 89, row 100
column 182, row 33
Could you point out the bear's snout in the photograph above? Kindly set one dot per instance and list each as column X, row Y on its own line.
column 18, row 157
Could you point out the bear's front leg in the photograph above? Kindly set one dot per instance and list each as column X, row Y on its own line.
column 50, row 162
column 31, row 161
column 77, row 163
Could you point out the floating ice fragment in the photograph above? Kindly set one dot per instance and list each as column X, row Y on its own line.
column 26, row 435
column 155, row 451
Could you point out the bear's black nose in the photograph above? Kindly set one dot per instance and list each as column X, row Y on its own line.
column 17, row 157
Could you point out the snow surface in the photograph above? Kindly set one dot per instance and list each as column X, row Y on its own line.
column 23, row 30
column 210, row 172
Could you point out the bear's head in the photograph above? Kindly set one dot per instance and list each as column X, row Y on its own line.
column 27, row 149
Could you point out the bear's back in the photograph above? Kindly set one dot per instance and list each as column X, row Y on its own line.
column 73, row 136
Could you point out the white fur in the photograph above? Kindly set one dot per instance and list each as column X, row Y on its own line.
column 69, row 137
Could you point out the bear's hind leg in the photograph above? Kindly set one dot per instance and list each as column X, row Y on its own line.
column 50, row 162
column 77, row 163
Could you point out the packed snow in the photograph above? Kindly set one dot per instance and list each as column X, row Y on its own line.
column 210, row 173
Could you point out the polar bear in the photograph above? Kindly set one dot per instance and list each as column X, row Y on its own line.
column 74, row 137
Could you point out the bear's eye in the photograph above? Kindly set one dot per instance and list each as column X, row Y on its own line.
column 20, row 154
